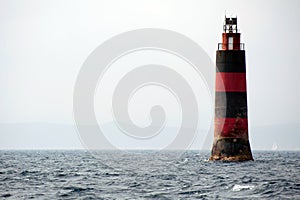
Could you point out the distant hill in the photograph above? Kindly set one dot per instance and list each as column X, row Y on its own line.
column 279, row 137
column 63, row 136
column 38, row 136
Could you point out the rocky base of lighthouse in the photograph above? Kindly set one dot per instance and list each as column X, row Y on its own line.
column 231, row 149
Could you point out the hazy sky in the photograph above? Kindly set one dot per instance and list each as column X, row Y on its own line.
column 44, row 43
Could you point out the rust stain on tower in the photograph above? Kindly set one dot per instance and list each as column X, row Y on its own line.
column 231, row 141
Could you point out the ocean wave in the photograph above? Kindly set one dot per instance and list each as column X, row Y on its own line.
column 237, row 188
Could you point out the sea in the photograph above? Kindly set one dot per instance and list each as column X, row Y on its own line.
column 49, row 174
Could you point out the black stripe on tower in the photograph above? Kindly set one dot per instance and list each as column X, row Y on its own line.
column 235, row 105
column 231, row 61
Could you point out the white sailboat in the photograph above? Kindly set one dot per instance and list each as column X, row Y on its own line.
column 274, row 146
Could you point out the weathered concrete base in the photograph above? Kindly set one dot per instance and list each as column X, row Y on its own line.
column 231, row 149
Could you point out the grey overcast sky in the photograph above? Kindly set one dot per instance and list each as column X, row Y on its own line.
column 44, row 43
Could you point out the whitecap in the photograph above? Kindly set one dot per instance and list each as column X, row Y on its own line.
column 237, row 188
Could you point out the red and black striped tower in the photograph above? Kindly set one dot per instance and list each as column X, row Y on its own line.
column 231, row 122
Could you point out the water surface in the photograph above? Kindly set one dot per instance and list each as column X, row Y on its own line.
column 146, row 175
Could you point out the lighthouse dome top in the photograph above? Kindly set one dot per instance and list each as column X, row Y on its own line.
column 230, row 25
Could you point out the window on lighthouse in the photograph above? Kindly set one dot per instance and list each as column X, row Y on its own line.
column 230, row 43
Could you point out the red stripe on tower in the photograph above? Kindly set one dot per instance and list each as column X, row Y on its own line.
column 230, row 82
column 231, row 127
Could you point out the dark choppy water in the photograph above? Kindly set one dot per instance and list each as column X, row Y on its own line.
column 143, row 175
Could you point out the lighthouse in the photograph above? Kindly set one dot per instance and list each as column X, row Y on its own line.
column 231, row 141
